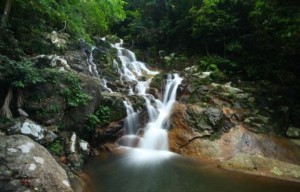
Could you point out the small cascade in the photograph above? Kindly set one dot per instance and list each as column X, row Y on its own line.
column 156, row 136
column 104, row 85
column 85, row 48
column 131, row 120
column 130, row 69
column 155, row 132
column 92, row 66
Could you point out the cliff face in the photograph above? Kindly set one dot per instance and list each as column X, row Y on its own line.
column 239, row 128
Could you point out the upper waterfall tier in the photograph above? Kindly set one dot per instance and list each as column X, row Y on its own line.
column 155, row 131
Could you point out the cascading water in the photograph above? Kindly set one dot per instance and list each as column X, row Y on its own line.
column 104, row 86
column 155, row 136
column 150, row 167
column 131, row 120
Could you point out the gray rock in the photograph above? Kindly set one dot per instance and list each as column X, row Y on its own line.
column 78, row 61
column 293, row 132
column 75, row 118
column 33, row 130
column 197, row 120
column 58, row 39
column 26, row 165
column 76, row 150
column 214, row 115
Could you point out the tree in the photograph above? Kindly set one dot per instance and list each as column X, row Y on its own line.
column 6, row 12
column 16, row 76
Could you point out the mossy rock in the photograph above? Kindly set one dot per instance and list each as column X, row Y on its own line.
column 115, row 102
column 45, row 104
column 158, row 81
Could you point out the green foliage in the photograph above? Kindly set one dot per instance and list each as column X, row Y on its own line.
column 258, row 38
column 157, row 81
column 49, row 110
column 55, row 147
column 30, row 20
column 73, row 93
column 215, row 135
column 169, row 60
column 216, row 63
column 19, row 73
column 100, row 117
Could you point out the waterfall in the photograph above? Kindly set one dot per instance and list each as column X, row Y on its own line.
column 104, row 85
column 156, row 135
column 130, row 69
column 90, row 59
column 155, row 132
column 131, row 121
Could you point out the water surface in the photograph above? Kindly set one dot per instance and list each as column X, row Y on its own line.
column 167, row 172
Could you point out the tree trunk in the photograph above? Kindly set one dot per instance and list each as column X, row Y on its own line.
column 6, row 13
column 5, row 111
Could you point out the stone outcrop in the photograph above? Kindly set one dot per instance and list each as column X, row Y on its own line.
column 237, row 128
column 33, row 130
column 75, row 118
column 236, row 149
column 26, row 165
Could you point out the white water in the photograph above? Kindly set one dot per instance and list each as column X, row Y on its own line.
column 155, row 132
column 156, row 135
column 131, row 120
column 130, row 69
column 104, row 85
column 92, row 66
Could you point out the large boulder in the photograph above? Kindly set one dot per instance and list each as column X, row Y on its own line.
column 26, row 165
column 78, row 61
column 203, row 121
column 75, row 117
column 236, row 149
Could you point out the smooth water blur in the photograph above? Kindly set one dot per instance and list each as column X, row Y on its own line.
column 168, row 172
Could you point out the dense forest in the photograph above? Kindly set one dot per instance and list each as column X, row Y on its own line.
column 83, row 83
column 254, row 39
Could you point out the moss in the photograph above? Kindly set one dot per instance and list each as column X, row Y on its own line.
column 55, row 147
column 157, row 81
column 115, row 103
column 216, row 135
column 73, row 92
column 49, row 110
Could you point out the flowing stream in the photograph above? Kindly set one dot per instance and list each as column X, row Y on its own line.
column 143, row 162
column 155, row 135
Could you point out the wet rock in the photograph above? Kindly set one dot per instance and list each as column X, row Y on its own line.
column 76, row 161
column 115, row 102
column 54, row 61
column 227, row 88
column 109, row 133
column 76, row 150
column 265, row 166
column 75, row 118
column 74, row 144
column 58, row 39
column 258, row 123
column 197, row 120
column 129, row 140
column 78, row 61
column 33, row 130
column 238, row 149
column 26, row 165
column 214, row 116
column 203, row 121
column 45, row 104
column 293, row 132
